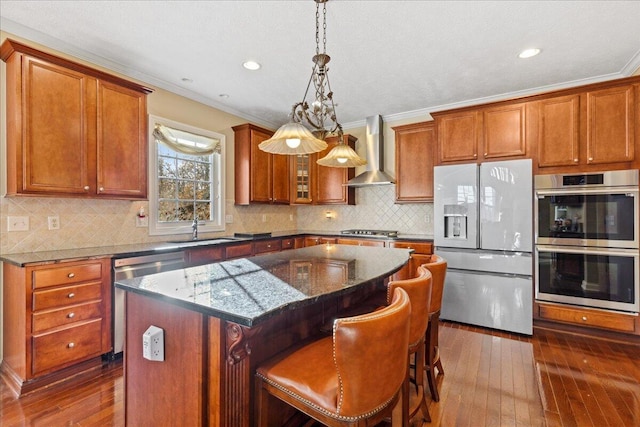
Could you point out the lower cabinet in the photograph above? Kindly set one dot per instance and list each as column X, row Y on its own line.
column 588, row 317
column 57, row 321
column 360, row 242
column 318, row 240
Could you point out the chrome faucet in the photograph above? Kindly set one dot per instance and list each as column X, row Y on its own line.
column 194, row 227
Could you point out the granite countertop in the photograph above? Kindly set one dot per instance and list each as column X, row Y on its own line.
column 249, row 291
column 131, row 250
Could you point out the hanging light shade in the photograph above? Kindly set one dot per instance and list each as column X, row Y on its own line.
column 292, row 138
column 319, row 114
column 342, row 156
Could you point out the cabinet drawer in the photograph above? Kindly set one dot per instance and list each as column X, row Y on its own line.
column 313, row 241
column 49, row 319
column 586, row 317
column 238, row 251
column 68, row 345
column 66, row 295
column 206, row 255
column 288, row 243
column 360, row 242
column 418, row 247
column 265, row 246
column 66, row 274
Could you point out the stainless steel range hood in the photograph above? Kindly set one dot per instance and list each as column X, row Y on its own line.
column 374, row 140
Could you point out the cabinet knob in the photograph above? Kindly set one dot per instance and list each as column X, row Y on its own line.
column 575, row 160
column 71, row 275
column 584, row 318
column 591, row 159
column 71, row 315
column 71, row 295
column 268, row 246
column 71, row 345
column 86, row 188
column 101, row 189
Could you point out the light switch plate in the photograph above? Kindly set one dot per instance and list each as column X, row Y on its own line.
column 17, row 223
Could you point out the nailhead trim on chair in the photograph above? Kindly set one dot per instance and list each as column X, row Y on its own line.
column 323, row 410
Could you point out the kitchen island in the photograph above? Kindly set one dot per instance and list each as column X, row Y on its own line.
column 221, row 320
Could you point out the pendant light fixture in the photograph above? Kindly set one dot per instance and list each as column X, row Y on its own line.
column 294, row 138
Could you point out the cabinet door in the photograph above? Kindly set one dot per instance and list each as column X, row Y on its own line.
column 56, row 147
column 504, row 131
column 558, row 131
column 260, row 169
column 458, row 136
column 328, row 181
column 414, row 162
column 610, row 125
column 301, row 179
column 280, row 166
column 121, row 142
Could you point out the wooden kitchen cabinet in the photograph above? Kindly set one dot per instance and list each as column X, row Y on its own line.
column 72, row 130
column 587, row 317
column 495, row 132
column 592, row 130
column 57, row 321
column 359, row 242
column 318, row 240
column 313, row 184
column 260, row 177
column 415, row 148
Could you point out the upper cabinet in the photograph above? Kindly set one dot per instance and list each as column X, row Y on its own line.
column 72, row 130
column 329, row 182
column 322, row 185
column 260, row 177
column 473, row 135
column 592, row 130
column 415, row 148
column 587, row 128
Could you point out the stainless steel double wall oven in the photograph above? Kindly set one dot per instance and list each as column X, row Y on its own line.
column 586, row 228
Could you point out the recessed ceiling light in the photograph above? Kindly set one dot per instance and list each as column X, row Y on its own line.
column 223, row 96
column 528, row 53
column 186, row 80
column 251, row 65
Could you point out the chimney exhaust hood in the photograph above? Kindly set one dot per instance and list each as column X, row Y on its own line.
column 374, row 141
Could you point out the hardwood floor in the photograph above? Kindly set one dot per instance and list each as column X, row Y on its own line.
column 491, row 379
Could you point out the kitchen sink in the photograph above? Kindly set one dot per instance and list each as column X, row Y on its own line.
column 199, row 242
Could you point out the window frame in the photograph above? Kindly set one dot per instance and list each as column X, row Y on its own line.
column 157, row 228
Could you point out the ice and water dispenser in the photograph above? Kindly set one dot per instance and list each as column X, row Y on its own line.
column 455, row 222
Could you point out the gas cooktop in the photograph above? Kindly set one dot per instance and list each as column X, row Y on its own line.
column 370, row 233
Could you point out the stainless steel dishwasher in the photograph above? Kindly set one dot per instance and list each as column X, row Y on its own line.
column 127, row 268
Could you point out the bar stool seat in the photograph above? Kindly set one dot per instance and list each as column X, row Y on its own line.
column 438, row 268
column 352, row 378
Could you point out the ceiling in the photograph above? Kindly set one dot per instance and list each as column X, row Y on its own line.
column 400, row 59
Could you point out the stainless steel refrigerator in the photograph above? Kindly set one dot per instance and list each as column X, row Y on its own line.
column 484, row 229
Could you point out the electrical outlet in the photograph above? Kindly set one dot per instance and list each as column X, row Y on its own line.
column 153, row 344
column 17, row 223
column 264, row 218
column 54, row 222
column 228, row 219
column 142, row 221
column 290, row 217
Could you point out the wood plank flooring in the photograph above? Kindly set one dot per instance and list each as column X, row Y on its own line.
column 491, row 379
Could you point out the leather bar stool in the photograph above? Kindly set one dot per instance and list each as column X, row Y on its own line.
column 419, row 291
column 438, row 268
column 352, row 378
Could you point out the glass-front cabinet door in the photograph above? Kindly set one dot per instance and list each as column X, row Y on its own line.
column 302, row 179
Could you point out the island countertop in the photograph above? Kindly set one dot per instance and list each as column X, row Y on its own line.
column 249, row 291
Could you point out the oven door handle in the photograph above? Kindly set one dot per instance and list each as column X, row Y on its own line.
column 588, row 250
column 629, row 191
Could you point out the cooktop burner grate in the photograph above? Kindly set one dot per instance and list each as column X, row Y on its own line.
column 372, row 233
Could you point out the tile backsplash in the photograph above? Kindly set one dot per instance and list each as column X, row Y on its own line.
column 93, row 222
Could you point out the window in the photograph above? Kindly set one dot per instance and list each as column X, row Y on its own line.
column 185, row 171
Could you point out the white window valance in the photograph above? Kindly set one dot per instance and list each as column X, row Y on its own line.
column 186, row 142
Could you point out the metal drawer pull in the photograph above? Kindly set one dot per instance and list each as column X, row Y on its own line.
column 71, row 295
column 71, row 315
column 71, row 275
column 71, row 345
column 584, row 318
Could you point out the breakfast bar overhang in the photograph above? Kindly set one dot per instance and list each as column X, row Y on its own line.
column 222, row 320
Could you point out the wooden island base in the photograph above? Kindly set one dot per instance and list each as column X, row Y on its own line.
column 206, row 378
